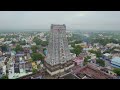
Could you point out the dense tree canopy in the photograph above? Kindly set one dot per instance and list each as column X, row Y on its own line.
column 18, row 48
column 37, row 40
column 34, row 49
column 44, row 43
column 72, row 44
column 117, row 71
column 34, row 70
column 78, row 41
column 77, row 50
column 37, row 56
column 22, row 42
column 88, row 57
column 98, row 53
column 86, row 60
column 104, row 41
column 44, row 49
column 2, row 37
column 40, row 42
column 76, row 37
column 13, row 42
column 100, row 62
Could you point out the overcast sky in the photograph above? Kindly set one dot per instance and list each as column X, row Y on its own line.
column 89, row 20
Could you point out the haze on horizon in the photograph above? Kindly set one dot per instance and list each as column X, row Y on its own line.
column 82, row 20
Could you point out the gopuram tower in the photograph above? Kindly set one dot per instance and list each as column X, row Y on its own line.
column 58, row 57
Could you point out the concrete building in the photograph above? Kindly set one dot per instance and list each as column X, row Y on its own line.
column 2, row 69
column 73, row 55
column 1, row 39
column 107, row 56
column 58, row 58
column 79, row 61
column 11, row 71
column 115, row 62
column 70, row 47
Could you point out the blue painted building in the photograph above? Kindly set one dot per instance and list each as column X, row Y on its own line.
column 115, row 62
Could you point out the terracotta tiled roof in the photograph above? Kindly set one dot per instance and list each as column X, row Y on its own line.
column 93, row 72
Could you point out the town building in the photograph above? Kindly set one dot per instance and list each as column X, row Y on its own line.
column 73, row 55
column 11, row 69
column 28, row 67
column 79, row 61
column 2, row 39
column 2, row 68
column 107, row 56
column 115, row 62
column 18, row 67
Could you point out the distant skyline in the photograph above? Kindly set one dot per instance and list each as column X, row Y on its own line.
column 80, row 20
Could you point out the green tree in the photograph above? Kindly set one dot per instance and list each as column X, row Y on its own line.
column 37, row 56
column 100, row 62
column 22, row 42
column 77, row 50
column 44, row 43
column 78, row 41
column 85, row 61
column 34, row 70
column 98, row 53
column 73, row 44
column 37, row 40
column 91, row 51
column 72, row 50
column 44, row 49
column 88, row 57
column 117, row 71
column 13, row 42
column 18, row 48
column 34, row 49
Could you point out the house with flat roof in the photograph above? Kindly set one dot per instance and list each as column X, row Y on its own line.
column 115, row 62
column 79, row 61
column 107, row 56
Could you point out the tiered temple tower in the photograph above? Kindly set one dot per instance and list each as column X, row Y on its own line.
column 58, row 58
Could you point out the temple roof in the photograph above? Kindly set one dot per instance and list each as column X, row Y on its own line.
column 93, row 72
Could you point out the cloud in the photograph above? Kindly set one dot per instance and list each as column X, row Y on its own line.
column 72, row 19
